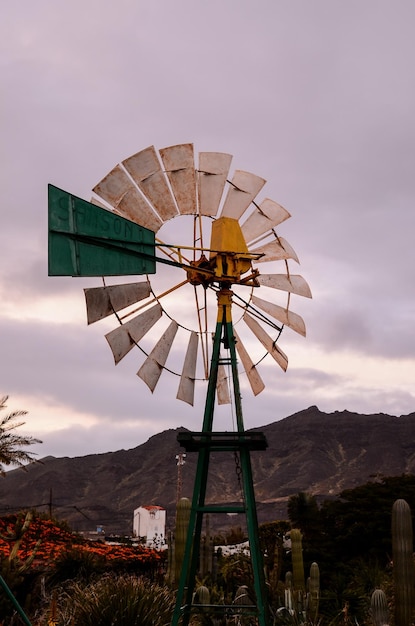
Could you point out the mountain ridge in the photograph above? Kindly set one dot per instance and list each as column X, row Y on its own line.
column 321, row 453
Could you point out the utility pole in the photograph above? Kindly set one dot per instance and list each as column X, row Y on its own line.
column 180, row 458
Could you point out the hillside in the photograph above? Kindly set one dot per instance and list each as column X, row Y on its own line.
column 322, row 453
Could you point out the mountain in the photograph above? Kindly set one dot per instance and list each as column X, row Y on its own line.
column 321, row 453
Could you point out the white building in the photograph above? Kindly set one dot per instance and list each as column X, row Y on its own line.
column 150, row 522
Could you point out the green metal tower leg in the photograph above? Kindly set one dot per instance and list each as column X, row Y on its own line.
column 191, row 553
column 206, row 442
column 248, row 487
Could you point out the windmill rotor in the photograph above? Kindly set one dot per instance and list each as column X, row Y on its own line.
column 223, row 237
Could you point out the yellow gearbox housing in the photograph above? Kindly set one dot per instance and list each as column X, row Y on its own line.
column 229, row 256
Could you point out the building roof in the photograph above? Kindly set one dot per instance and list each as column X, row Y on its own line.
column 152, row 507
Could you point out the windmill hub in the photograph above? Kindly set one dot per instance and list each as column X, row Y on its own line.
column 200, row 272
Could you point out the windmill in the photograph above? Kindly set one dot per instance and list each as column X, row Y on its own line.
column 228, row 247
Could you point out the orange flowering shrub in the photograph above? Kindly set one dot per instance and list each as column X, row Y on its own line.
column 55, row 540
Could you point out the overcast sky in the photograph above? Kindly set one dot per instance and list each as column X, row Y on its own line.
column 315, row 96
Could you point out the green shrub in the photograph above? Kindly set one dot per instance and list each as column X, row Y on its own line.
column 115, row 601
column 74, row 563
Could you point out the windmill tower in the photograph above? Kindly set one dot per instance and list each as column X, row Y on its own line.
column 226, row 239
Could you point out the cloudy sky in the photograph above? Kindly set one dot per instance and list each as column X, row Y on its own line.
column 317, row 97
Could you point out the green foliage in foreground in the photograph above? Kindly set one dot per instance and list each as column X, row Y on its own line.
column 348, row 536
column 114, row 601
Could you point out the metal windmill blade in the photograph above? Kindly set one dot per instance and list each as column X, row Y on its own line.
column 146, row 171
column 104, row 301
column 153, row 366
column 285, row 316
column 186, row 391
column 276, row 250
column 222, row 386
column 255, row 380
column 180, row 169
column 265, row 217
column 243, row 188
column 268, row 343
column 292, row 283
column 119, row 191
column 126, row 336
column 212, row 174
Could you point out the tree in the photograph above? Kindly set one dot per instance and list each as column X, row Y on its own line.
column 303, row 513
column 359, row 519
column 11, row 444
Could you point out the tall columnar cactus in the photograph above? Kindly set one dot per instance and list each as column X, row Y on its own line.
column 275, row 573
column 206, row 552
column 170, row 558
column 298, row 570
column 288, row 593
column 12, row 568
column 182, row 523
column 403, row 564
column 297, row 559
column 313, row 592
column 13, row 565
column 379, row 608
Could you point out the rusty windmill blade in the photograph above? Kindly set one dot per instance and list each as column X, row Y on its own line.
column 153, row 366
column 104, row 301
column 186, row 391
column 222, row 386
column 286, row 317
column 255, row 380
column 292, row 283
column 243, row 189
column 145, row 169
column 180, row 169
column 277, row 250
column 119, row 191
column 268, row 343
column 264, row 217
column 126, row 336
column 212, row 175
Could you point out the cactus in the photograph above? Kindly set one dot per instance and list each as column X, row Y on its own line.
column 275, row 573
column 242, row 597
column 182, row 523
column 170, row 558
column 13, row 568
column 313, row 592
column 297, row 559
column 206, row 552
column 379, row 608
column 202, row 595
column 288, row 593
column 403, row 565
column 13, row 565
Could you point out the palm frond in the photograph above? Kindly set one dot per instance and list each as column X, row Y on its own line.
column 11, row 444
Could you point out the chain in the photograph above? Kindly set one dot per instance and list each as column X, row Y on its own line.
column 238, row 471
